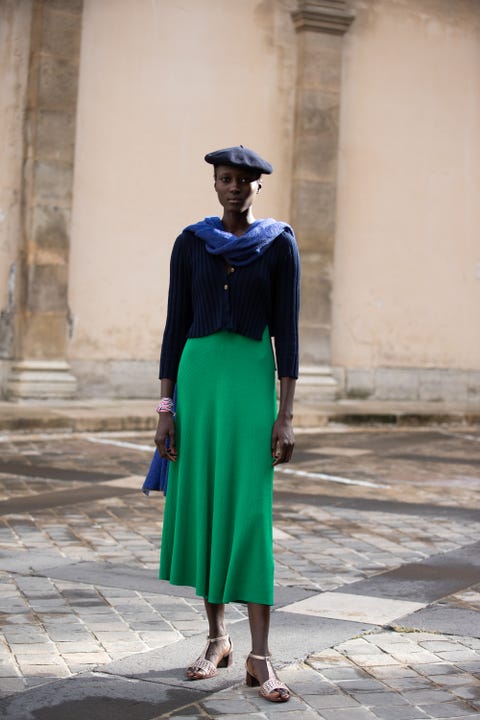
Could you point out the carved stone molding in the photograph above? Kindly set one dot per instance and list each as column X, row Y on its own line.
column 321, row 26
column 330, row 16
column 41, row 379
column 39, row 366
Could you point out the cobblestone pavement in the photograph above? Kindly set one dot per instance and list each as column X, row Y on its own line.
column 377, row 546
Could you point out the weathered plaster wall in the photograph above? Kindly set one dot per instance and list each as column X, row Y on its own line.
column 161, row 84
column 15, row 18
column 407, row 262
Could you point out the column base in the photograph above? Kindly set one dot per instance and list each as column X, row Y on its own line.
column 40, row 379
column 316, row 384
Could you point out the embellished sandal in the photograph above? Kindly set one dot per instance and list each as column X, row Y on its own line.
column 272, row 689
column 203, row 669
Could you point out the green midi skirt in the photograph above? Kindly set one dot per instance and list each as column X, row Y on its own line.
column 217, row 529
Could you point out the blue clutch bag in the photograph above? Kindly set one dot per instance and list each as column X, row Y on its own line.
column 157, row 476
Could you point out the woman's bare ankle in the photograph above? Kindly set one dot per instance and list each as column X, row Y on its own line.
column 217, row 635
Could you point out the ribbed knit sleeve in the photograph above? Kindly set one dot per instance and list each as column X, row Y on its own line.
column 286, row 305
column 180, row 311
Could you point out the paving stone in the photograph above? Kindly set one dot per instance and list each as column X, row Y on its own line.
column 361, row 685
column 48, row 670
column 34, row 648
column 124, row 647
column 69, row 634
column 437, row 646
column 409, row 683
column 457, row 681
column 327, row 659
column 345, row 606
column 86, row 658
column 54, row 660
column 443, row 619
column 354, row 544
column 295, row 706
column 345, row 673
column 115, row 636
column 374, row 660
column 414, row 655
column 357, row 646
column 378, row 698
column 74, row 647
column 424, row 697
column 8, row 669
column 471, row 667
column 435, row 669
column 394, row 672
column 473, row 643
column 225, row 707
column 9, row 686
column 456, row 656
column 109, row 624
column 300, row 687
column 447, row 710
column 303, row 679
column 398, row 712
column 25, row 635
column 468, row 693
column 348, row 714
column 332, row 700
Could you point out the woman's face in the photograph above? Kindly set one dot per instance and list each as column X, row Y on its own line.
column 236, row 187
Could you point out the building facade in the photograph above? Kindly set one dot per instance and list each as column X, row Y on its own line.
column 369, row 111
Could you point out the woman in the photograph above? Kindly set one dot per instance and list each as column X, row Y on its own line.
column 234, row 284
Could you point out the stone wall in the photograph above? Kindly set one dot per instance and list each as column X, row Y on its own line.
column 39, row 367
column 422, row 384
column 156, row 94
column 15, row 22
column 407, row 281
column 106, row 111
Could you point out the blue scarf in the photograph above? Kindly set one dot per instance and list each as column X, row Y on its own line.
column 238, row 250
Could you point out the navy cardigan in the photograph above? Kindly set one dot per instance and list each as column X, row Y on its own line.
column 205, row 297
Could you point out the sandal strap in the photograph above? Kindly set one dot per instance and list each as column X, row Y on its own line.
column 260, row 657
column 221, row 637
column 271, row 685
column 203, row 664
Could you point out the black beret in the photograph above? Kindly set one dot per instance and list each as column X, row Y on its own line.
column 239, row 156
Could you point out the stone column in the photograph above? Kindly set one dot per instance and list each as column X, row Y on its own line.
column 41, row 319
column 320, row 28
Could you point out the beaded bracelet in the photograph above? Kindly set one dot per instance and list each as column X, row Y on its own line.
column 165, row 405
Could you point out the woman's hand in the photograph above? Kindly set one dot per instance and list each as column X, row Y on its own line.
column 165, row 436
column 282, row 433
column 282, row 441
